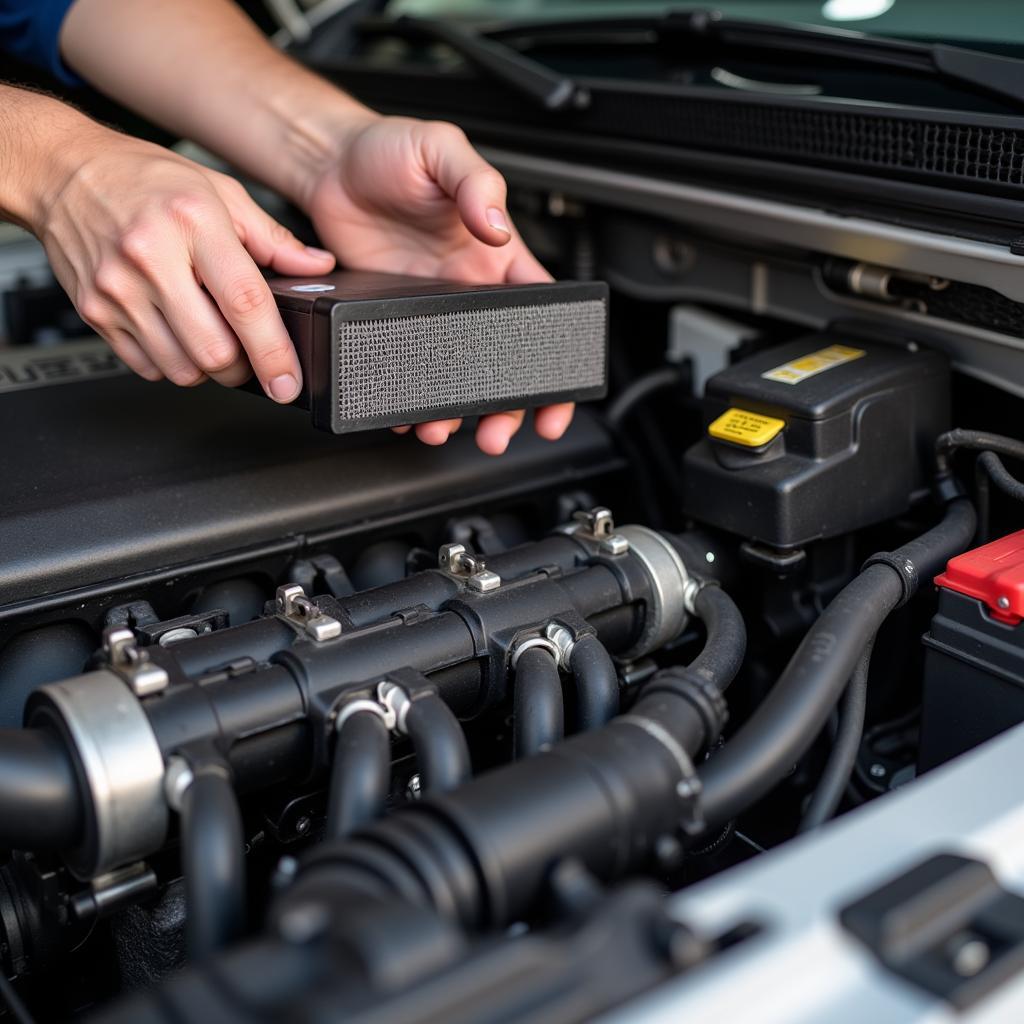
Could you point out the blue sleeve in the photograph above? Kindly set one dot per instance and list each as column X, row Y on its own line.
column 29, row 30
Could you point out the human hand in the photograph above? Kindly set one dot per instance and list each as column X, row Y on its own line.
column 161, row 257
column 408, row 196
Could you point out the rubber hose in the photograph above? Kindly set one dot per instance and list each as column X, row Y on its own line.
column 360, row 774
column 597, row 683
column 635, row 393
column 779, row 733
column 973, row 440
column 213, row 863
column 439, row 742
column 1000, row 476
column 538, row 712
column 722, row 655
column 40, row 806
column 838, row 768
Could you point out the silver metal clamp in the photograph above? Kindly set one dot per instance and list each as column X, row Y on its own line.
column 461, row 564
column 599, row 526
column 133, row 663
column 295, row 607
column 119, row 762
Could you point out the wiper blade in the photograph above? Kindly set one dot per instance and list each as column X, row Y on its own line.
column 495, row 59
column 999, row 76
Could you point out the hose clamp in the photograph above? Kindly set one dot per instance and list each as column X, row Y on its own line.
column 355, row 707
column 671, row 588
column 119, row 764
column 700, row 693
column 535, row 642
column 395, row 702
column 177, row 780
column 904, row 569
column 688, row 788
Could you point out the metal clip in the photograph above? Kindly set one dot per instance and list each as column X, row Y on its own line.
column 455, row 560
column 598, row 525
column 293, row 604
column 132, row 663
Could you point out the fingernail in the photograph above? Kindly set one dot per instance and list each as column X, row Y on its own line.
column 497, row 219
column 284, row 388
column 320, row 254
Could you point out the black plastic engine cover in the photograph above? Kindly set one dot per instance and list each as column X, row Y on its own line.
column 830, row 434
column 106, row 477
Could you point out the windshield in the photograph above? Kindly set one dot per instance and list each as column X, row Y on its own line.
column 997, row 23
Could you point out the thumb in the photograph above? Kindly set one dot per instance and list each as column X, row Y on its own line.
column 271, row 244
column 464, row 175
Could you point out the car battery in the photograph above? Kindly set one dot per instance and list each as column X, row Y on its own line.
column 974, row 661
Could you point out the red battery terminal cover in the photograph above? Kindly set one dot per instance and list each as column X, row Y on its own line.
column 993, row 573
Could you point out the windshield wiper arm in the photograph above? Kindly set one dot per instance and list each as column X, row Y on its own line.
column 495, row 59
column 1000, row 76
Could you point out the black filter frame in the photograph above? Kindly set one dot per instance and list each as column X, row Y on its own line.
column 315, row 309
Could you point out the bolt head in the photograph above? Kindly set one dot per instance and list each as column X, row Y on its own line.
column 877, row 771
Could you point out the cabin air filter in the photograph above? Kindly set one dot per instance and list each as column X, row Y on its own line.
column 380, row 350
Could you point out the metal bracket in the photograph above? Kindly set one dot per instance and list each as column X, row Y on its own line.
column 599, row 526
column 132, row 663
column 460, row 564
column 293, row 605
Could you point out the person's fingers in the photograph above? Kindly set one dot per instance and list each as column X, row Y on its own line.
column 128, row 350
column 245, row 299
column 151, row 331
column 199, row 326
column 437, row 431
column 494, row 432
column 553, row 421
column 525, row 268
column 272, row 245
column 465, row 176
column 402, row 430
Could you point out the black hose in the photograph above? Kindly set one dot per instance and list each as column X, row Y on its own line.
column 1000, row 476
column 632, row 395
column 440, row 744
column 839, row 767
column 973, row 440
column 40, row 806
column 213, row 862
column 677, row 698
column 538, row 712
column 10, row 998
column 982, row 503
column 723, row 651
column 360, row 774
column 762, row 752
column 597, row 683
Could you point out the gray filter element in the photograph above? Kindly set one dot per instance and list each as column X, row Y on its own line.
column 467, row 359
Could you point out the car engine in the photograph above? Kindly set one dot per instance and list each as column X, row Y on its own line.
column 304, row 727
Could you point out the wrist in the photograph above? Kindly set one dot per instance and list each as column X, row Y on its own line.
column 51, row 139
column 313, row 136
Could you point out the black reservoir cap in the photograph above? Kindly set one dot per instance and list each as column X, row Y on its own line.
column 383, row 350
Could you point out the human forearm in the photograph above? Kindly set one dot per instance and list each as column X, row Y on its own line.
column 41, row 142
column 202, row 69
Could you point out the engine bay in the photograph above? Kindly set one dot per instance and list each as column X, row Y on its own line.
column 305, row 727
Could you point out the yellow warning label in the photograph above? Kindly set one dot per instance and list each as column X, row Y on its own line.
column 812, row 364
column 750, row 429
